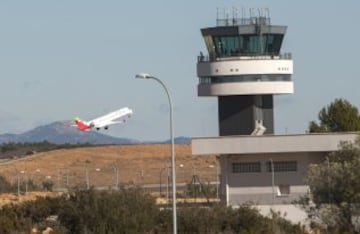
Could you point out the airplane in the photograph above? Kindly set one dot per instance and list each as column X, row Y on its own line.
column 115, row 117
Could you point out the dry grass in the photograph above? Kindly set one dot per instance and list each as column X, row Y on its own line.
column 7, row 198
column 137, row 164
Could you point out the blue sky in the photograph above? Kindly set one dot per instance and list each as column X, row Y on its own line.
column 60, row 59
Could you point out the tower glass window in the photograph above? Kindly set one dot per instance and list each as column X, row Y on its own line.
column 246, row 78
column 247, row 44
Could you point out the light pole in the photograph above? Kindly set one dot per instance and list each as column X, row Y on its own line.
column 217, row 179
column 272, row 180
column 183, row 172
column 26, row 180
column 161, row 171
column 18, row 184
column 166, row 168
column 87, row 178
column 116, row 175
column 148, row 76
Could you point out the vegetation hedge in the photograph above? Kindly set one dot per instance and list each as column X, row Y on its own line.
column 133, row 211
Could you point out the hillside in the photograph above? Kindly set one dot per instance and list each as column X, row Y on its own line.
column 137, row 164
column 60, row 133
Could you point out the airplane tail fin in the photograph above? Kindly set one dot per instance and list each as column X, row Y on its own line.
column 81, row 125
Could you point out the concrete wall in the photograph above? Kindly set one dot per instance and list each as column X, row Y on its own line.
column 237, row 188
column 237, row 114
column 270, row 143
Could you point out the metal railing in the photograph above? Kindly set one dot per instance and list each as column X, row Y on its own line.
column 243, row 21
column 207, row 58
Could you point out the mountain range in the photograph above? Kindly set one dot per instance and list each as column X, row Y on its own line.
column 58, row 133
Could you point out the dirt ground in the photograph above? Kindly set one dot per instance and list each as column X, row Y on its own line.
column 106, row 166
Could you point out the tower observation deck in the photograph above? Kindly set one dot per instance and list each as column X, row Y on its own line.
column 244, row 68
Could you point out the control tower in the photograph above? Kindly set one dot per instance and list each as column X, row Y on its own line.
column 244, row 68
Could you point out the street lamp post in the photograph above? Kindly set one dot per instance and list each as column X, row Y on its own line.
column 184, row 176
column 18, row 184
column 161, row 171
column 166, row 168
column 25, row 179
column 87, row 178
column 148, row 76
column 217, row 179
column 272, row 180
column 116, row 175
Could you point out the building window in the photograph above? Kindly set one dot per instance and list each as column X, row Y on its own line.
column 282, row 166
column 246, row 167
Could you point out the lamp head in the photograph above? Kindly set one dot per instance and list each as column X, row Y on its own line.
column 143, row 76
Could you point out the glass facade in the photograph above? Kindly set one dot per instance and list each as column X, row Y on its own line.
column 245, row 45
column 245, row 78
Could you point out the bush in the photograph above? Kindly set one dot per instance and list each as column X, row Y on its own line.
column 127, row 211
column 5, row 186
column 48, row 185
column 134, row 211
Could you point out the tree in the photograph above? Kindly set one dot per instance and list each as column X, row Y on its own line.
column 338, row 116
column 335, row 189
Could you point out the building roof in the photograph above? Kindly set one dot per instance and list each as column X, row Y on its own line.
column 326, row 142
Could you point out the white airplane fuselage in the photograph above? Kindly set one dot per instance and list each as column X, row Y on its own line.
column 114, row 117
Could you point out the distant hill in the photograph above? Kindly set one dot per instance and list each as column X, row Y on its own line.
column 179, row 140
column 58, row 133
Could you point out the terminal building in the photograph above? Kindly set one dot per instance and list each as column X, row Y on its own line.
column 244, row 68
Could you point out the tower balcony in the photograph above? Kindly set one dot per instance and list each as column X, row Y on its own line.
column 245, row 76
column 246, row 88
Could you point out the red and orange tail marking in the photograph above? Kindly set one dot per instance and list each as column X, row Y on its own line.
column 81, row 125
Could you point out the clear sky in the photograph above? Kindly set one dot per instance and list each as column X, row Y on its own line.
column 60, row 59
